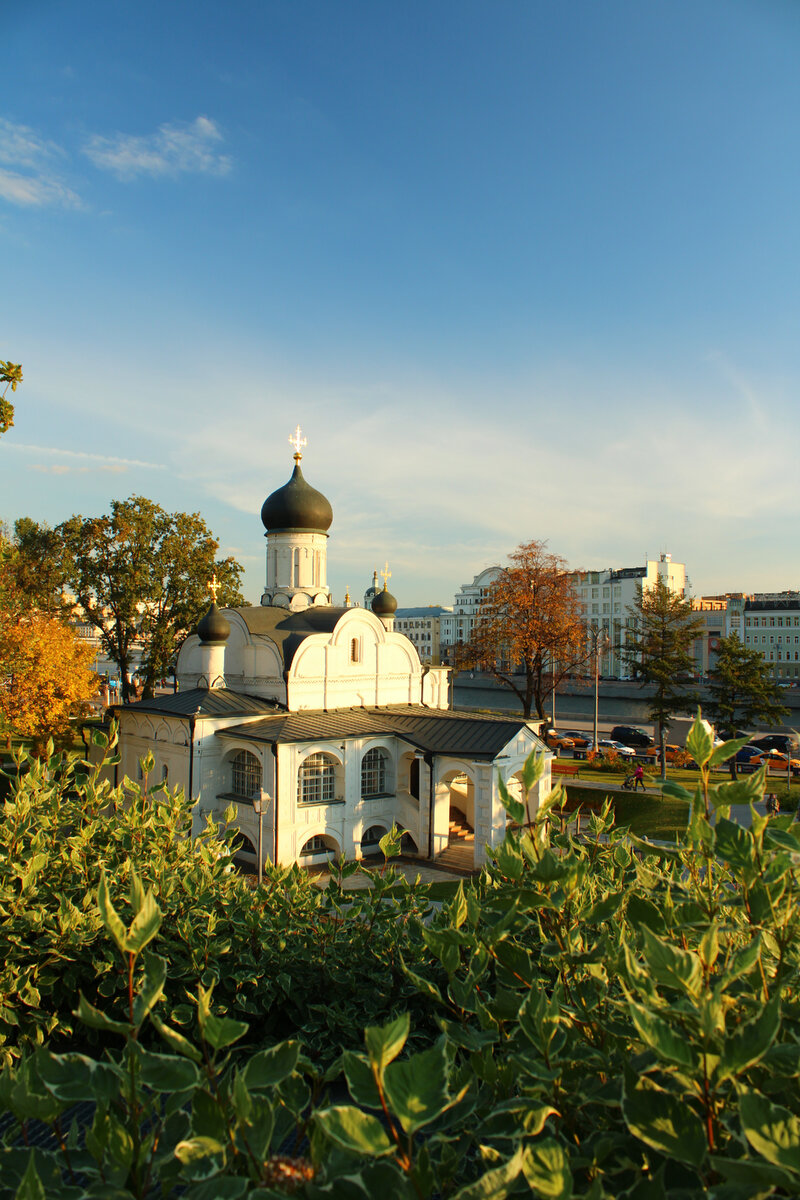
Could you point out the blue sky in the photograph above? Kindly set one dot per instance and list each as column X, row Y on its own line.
column 518, row 269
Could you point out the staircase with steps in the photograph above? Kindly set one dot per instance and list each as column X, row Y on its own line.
column 459, row 855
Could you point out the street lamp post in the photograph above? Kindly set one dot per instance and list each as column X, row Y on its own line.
column 260, row 805
column 599, row 639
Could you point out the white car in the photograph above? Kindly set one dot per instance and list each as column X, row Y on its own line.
column 604, row 745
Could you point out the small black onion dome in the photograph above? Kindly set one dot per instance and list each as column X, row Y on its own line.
column 297, row 506
column 213, row 629
column 384, row 604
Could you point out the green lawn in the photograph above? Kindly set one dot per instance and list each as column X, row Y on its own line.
column 647, row 815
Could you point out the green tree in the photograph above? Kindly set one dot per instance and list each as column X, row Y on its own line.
column 10, row 375
column 742, row 688
column 659, row 653
column 140, row 576
column 40, row 565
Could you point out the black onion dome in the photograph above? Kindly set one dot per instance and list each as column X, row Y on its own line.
column 384, row 604
column 297, row 506
column 213, row 629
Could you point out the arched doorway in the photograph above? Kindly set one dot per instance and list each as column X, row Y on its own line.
column 454, row 819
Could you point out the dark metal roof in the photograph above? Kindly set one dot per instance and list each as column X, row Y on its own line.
column 288, row 629
column 203, row 702
column 439, row 731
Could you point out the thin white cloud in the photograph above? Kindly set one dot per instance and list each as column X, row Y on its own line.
column 35, row 183
column 173, row 149
column 63, row 469
column 36, row 191
column 101, row 458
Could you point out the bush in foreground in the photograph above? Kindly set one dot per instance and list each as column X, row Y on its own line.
column 616, row 1019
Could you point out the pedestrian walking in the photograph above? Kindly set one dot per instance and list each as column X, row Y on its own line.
column 638, row 778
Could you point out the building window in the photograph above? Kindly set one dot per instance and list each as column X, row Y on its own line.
column 164, row 773
column 355, row 650
column 315, row 845
column 246, row 775
column 315, row 780
column 372, row 836
column 374, row 773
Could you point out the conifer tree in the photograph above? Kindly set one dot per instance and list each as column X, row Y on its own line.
column 659, row 653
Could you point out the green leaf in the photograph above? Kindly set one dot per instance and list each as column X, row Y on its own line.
column 735, row 846
column 699, row 741
column 727, row 750
column 416, row 1088
column 75, row 1077
column 676, row 790
column 533, row 768
column 168, row 1072
column 218, row 1032
column 514, row 808
column 96, row 1019
column 496, row 1184
column 360, row 1080
column 603, row 909
column 457, row 910
column 30, row 1187
column 445, row 945
column 268, row 1068
column 420, row 983
column 750, row 1042
column 109, row 915
column 145, row 926
column 664, row 1122
column 354, row 1130
column 771, row 1130
column 151, row 989
column 197, row 1148
column 176, row 1041
column 669, row 1045
column 546, row 1168
column 384, row 1042
column 670, row 965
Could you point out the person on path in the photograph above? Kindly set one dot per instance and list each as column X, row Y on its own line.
column 638, row 778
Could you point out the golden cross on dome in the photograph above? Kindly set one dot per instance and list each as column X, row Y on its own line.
column 298, row 441
column 386, row 575
column 213, row 586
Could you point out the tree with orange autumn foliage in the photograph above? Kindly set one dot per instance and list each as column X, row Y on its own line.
column 46, row 671
column 529, row 633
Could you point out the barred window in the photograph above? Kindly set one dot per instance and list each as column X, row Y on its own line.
column 246, row 775
column 372, row 836
column 315, row 780
column 374, row 773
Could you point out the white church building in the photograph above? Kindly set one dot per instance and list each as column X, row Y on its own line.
column 324, row 718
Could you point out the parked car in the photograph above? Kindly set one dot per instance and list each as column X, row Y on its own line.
column 784, row 742
column 632, row 735
column 609, row 745
column 559, row 741
column 671, row 752
column 579, row 740
column 749, row 758
column 780, row 762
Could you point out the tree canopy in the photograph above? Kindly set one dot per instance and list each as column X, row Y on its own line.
column 742, row 688
column 11, row 376
column 659, row 651
column 529, row 634
column 139, row 576
column 46, row 673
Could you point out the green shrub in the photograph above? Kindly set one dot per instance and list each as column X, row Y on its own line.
column 615, row 1019
column 283, row 957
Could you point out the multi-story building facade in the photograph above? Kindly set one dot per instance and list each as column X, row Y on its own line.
column 457, row 623
column 422, row 626
column 607, row 596
column 713, row 612
column 771, row 625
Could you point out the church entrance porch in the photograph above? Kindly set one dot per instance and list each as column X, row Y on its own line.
column 454, row 842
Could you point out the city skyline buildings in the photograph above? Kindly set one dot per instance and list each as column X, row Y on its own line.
column 521, row 272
